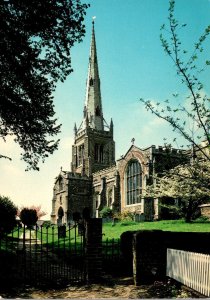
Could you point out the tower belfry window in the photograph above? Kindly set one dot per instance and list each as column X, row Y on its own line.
column 99, row 153
column 80, row 154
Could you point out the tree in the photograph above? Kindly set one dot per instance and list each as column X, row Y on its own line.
column 188, row 183
column 195, row 108
column 28, row 217
column 8, row 212
column 36, row 38
column 40, row 213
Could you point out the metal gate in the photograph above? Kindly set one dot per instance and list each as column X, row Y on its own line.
column 46, row 255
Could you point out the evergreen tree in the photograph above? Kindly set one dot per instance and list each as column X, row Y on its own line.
column 8, row 212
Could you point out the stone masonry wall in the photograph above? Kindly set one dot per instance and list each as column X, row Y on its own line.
column 80, row 195
column 205, row 210
column 150, row 249
column 106, row 185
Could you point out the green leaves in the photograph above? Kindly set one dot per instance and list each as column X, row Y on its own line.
column 36, row 39
column 8, row 212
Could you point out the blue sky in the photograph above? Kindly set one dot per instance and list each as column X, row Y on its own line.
column 132, row 64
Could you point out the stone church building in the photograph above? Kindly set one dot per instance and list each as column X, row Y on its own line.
column 97, row 179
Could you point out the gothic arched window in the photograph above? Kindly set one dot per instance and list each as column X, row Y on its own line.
column 133, row 182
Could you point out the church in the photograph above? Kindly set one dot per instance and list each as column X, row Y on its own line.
column 97, row 179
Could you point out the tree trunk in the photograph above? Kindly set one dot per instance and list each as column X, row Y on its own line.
column 189, row 212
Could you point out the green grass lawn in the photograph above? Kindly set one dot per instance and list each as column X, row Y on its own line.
column 50, row 235
column 114, row 232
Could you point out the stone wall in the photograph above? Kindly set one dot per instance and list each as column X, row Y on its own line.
column 60, row 197
column 150, row 249
column 106, row 189
column 205, row 210
column 148, row 256
column 80, row 194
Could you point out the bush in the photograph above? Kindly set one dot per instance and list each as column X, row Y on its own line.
column 170, row 212
column 106, row 212
column 8, row 212
column 202, row 219
column 28, row 217
column 125, row 215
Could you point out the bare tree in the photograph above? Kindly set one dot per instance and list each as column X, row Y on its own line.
column 189, row 118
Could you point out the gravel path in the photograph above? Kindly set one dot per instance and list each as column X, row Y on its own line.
column 118, row 288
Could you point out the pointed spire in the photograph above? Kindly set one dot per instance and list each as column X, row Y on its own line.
column 75, row 128
column 93, row 105
column 111, row 127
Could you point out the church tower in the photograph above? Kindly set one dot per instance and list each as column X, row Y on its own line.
column 94, row 147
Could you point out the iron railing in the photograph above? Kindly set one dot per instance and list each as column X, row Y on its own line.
column 44, row 255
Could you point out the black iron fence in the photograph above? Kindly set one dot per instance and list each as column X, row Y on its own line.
column 42, row 255
column 112, row 257
column 111, row 249
column 51, row 255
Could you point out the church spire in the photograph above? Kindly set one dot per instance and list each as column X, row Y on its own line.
column 94, row 147
column 93, row 105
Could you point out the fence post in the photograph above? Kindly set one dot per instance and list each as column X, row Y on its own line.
column 93, row 249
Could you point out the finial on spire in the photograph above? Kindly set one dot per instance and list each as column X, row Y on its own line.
column 132, row 141
column 93, row 18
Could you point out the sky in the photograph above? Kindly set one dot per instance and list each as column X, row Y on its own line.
column 132, row 65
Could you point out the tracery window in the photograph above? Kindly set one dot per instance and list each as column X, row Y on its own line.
column 133, row 183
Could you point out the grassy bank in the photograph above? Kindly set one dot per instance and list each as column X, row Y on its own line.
column 115, row 231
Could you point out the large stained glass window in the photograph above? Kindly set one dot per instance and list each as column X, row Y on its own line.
column 133, row 182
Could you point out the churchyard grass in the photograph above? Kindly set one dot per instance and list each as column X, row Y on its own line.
column 114, row 232
column 50, row 235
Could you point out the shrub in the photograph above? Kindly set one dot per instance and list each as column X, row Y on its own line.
column 202, row 219
column 125, row 215
column 8, row 212
column 39, row 211
column 28, row 216
column 106, row 212
column 170, row 212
